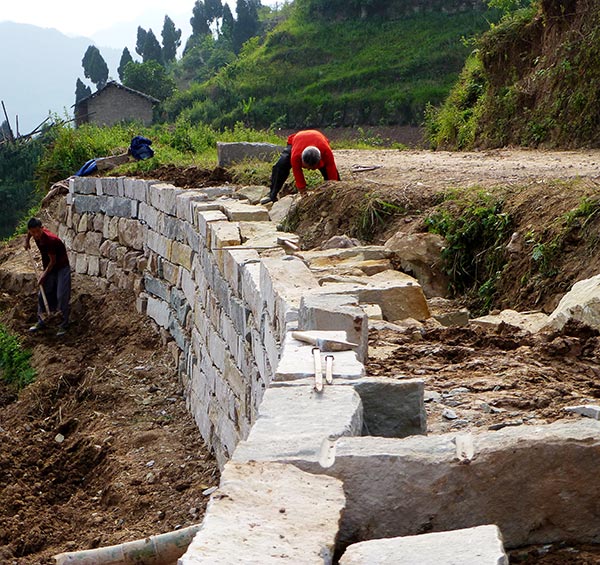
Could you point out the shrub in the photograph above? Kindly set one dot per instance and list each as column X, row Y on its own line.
column 15, row 368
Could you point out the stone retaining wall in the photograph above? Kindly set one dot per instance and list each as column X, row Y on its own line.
column 208, row 269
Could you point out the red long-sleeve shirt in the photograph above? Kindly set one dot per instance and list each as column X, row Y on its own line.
column 299, row 142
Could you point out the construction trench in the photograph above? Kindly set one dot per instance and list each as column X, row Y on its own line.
column 346, row 474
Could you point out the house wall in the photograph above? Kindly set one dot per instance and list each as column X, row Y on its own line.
column 114, row 105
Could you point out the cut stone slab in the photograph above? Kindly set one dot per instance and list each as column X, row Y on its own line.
column 229, row 153
column 587, row 410
column 237, row 211
column 294, row 422
column 253, row 193
column 581, row 303
column 297, row 361
column 325, row 258
column 436, row 489
column 281, row 208
column 531, row 322
column 421, row 254
column 269, row 514
column 260, row 234
column 392, row 408
column 481, row 545
column 283, row 282
column 336, row 312
column 399, row 295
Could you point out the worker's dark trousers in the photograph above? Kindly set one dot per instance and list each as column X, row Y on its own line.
column 281, row 171
column 57, row 287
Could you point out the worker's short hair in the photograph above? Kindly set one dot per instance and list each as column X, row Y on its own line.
column 34, row 223
column 311, row 156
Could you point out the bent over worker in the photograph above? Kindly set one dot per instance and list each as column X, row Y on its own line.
column 307, row 149
column 56, row 277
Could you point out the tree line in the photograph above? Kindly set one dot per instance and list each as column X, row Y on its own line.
column 216, row 39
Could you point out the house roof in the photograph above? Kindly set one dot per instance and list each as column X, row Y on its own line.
column 122, row 87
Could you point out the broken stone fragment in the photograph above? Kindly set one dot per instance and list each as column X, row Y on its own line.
column 481, row 545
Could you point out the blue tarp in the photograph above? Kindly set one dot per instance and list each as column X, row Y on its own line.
column 139, row 149
column 88, row 168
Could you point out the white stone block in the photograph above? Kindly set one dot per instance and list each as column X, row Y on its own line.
column 159, row 311
column 205, row 218
column 283, row 282
column 481, row 545
column 223, row 234
column 81, row 263
column 336, row 312
column 297, row 360
column 233, row 262
column 423, row 473
column 400, row 296
column 237, row 211
column 136, row 189
column 251, row 293
column 248, row 522
column 587, row 410
column 163, row 197
column 159, row 244
column 184, row 203
column 293, row 423
column 150, row 216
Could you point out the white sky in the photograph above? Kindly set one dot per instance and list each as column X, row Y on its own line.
column 107, row 22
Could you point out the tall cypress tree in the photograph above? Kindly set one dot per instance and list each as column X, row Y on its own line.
column 199, row 19
column 125, row 59
column 246, row 25
column 214, row 11
column 140, row 41
column 81, row 91
column 171, row 40
column 95, row 67
column 152, row 50
column 227, row 23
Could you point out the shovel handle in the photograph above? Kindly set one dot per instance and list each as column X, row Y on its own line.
column 318, row 369
column 37, row 274
column 329, row 369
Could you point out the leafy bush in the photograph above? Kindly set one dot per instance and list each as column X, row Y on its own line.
column 15, row 368
column 476, row 233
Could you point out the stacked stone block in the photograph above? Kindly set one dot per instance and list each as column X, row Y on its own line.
column 208, row 271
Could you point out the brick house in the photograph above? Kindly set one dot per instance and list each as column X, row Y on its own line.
column 114, row 103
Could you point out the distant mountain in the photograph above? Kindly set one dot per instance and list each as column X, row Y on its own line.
column 38, row 71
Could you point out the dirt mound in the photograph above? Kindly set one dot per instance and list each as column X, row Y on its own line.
column 190, row 177
column 100, row 449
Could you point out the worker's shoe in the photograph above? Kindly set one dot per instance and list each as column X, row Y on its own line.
column 266, row 200
column 37, row 327
column 62, row 330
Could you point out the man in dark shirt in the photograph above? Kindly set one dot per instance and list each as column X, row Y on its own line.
column 56, row 277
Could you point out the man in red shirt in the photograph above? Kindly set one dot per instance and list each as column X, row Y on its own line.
column 307, row 149
column 56, row 277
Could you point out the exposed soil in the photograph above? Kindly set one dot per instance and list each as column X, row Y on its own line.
column 132, row 463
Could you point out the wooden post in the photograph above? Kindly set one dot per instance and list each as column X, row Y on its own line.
column 11, row 136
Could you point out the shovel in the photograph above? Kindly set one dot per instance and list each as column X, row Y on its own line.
column 42, row 291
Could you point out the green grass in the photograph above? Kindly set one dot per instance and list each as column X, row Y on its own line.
column 320, row 73
column 15, row 367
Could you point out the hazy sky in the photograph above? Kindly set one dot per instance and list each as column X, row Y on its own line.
column 112, row 23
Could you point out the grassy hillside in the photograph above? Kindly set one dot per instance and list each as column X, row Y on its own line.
column 337, row 73
column 533, row 81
